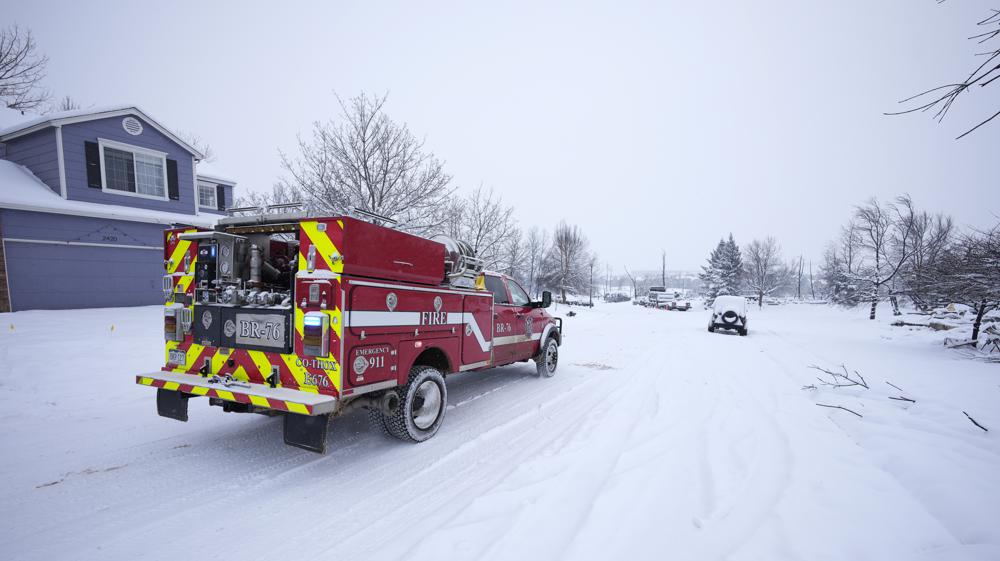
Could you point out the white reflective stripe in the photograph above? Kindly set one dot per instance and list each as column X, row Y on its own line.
column 421, row 289
column 473, row 365
column 511, row 339
column 85, row 244
column 362, row 318
column 470, row 320
column 381, row 319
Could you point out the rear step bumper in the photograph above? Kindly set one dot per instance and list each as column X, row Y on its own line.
column 258, row 395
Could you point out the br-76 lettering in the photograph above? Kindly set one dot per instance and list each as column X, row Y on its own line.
column 254, row 330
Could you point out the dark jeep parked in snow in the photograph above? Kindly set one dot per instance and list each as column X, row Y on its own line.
column 729, row 312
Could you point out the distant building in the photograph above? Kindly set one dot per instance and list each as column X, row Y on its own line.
column 84, row 198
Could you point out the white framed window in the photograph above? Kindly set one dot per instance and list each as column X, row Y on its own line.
column 131, row 170
column 207, row 195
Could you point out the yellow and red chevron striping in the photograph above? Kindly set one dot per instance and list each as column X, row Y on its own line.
column 326, row 236
column 174, row 250
column 230, row 395
column 254, row 366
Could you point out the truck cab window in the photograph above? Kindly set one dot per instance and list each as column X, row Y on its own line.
column 496, row 286
column 517, row 294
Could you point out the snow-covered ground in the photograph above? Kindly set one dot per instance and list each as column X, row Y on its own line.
column 655, row 440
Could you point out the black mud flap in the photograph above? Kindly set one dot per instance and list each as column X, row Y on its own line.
column 307, row 432
column 172, row 404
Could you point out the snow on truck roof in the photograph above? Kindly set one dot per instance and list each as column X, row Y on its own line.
column 21, row 190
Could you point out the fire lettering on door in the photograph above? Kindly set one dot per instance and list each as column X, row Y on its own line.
column 433, row 318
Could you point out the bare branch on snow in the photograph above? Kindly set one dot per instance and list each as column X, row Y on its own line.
column 839, row 407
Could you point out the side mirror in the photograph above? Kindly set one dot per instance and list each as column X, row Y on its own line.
column 546, row 298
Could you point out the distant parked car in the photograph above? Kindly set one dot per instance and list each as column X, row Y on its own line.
column 680, row 303
column 658, row 297
column 729, row 312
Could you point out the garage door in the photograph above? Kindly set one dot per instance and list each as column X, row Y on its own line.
column 53, row 275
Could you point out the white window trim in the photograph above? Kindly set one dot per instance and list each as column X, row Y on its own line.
column 61, row 161
column 214, row 188
column 194, row 180
column 102, row 143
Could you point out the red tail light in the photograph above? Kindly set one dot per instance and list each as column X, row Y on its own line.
column 176, row 322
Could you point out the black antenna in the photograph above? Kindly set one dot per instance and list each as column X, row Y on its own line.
column 369, row 214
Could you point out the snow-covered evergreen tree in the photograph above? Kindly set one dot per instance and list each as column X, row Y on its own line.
column 711, row 276
column 724, row 272
column 840, row 285
column 731, row 271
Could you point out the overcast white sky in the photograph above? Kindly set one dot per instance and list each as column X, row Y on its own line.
column 651, row 125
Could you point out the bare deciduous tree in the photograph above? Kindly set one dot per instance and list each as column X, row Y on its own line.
column 565, row 263
column 931, row 236
column 514, row 255
column 538, row 242
column 969, row 272
column 66, row 103
column 484, row 222
column 763, row 269
column 941, row 98
column 199, row 144
column 850, row 239
column 886, row 241
column 22, row 70
column 280, row 194
column 370, row 162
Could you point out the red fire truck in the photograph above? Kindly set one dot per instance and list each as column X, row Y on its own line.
column 284, row 314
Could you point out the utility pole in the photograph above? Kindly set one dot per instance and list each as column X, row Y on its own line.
column 812, row 289
column 591, row 283
column 635, row 289
column 663, row 267
column 798, row 288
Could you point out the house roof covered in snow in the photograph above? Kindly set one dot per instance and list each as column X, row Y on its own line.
column 10, row 117
column 207, row 170
column 21, row 190
column 28, row 124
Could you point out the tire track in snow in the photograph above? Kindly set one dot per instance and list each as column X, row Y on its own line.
column 739, row 516
column 498, row 508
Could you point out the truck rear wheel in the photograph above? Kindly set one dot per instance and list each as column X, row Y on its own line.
column 421, row 412
column 548, row 358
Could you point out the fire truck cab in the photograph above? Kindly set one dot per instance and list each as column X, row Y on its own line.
column 305, row 317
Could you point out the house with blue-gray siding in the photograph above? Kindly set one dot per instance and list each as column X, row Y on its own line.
column 84, row 198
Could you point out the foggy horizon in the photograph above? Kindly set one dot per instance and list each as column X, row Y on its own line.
column 696, row 121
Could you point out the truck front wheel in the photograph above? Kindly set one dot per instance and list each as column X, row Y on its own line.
column 548, row 358
column 421, row 412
